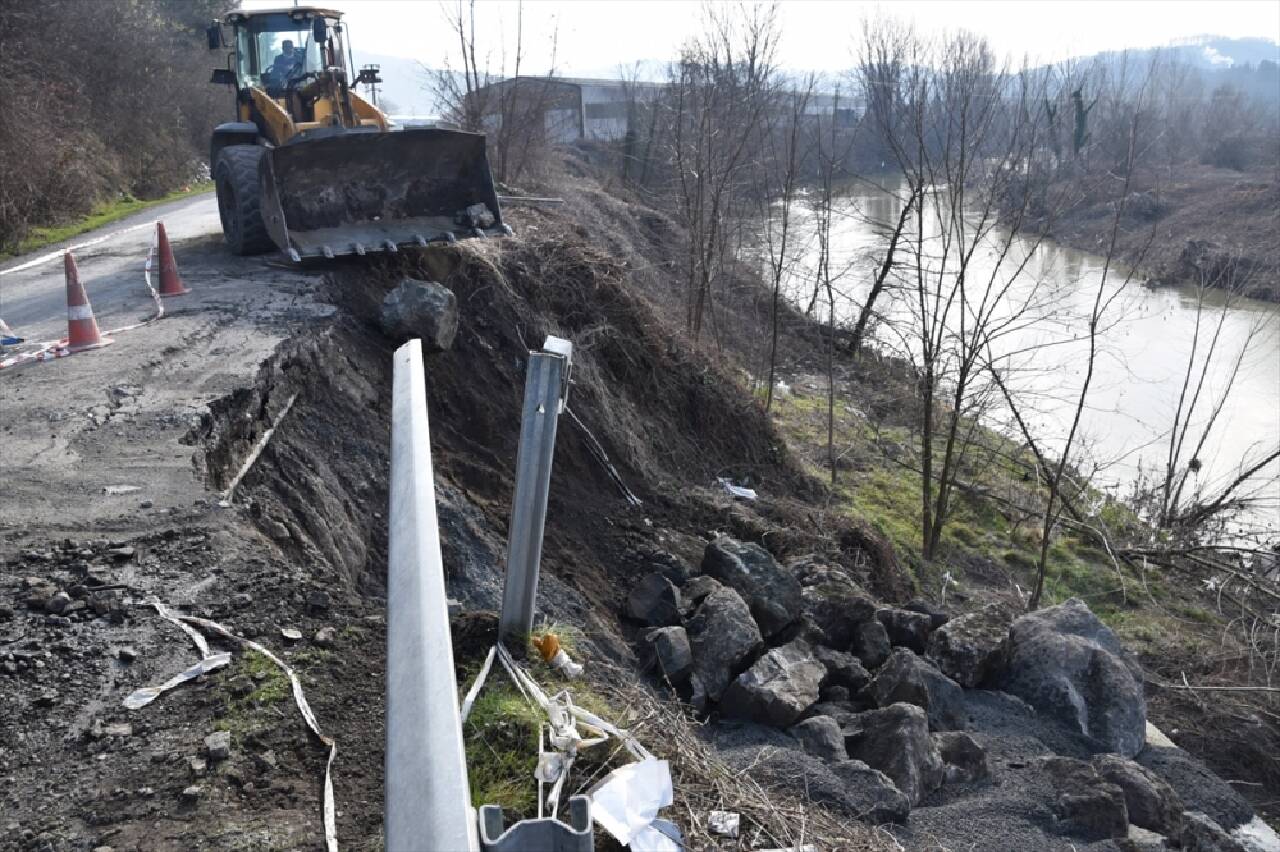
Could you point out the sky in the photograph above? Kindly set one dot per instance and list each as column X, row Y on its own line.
column 598, row 36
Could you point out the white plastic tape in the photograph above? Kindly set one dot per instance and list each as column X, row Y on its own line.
column 210, row 661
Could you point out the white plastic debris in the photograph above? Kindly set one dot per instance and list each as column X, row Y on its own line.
column 292, row 634
column 1255, row 836
column 657, row 837
column 209, row 661
column 736, row 490
column 117, row 490
column 626, row 802
column 144, row 696
column 550, row 767
column 566, row 666
column 558, row 346
column 724, row 823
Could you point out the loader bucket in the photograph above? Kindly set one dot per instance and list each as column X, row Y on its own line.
column 359, row 192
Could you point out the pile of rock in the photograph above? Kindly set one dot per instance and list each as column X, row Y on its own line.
column 874, row 696
column 73, row 581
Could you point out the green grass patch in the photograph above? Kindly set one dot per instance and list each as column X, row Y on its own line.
column 271, row 686
column 883, row 490
column 309, row 658
column 501, row 737
column 102, row 214
column 501, row 732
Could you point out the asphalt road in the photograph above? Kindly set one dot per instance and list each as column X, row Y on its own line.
column 33, row 296
column 76, row 429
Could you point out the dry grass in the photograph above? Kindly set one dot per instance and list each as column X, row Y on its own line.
column 703, row 782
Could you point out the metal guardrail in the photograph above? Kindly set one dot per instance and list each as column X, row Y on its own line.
column 546, row 388
column 427, row 799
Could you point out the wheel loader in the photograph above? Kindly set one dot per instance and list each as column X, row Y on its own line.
column 311, row 167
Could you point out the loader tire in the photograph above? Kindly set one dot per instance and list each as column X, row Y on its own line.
column 240, row 199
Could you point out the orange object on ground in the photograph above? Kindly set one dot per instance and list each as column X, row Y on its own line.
column 170, row 282
column 548, row 646
column 82, row 328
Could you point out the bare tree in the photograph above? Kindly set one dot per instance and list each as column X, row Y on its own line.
column 1181, row 505
column 962, row 131
column 512, row 110
column 1101, row 302
column 717, row 98
column 783, row 155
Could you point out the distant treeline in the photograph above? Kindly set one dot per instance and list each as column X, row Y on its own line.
column 101, row 100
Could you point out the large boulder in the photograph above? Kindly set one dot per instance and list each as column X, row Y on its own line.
column 1086, row 806
column 842, row 711
column 769, row 590
column 971, row 647
column 695, row 591
column 672, row 652
column 1151, row 803
column 722, row 635
column 667, row 564
column 843, row 669
column 896, row 741
column 906, row 629
column 1201, row 833
column 907, row 678
column 1066, row 663
column 834, row 611
column 937, row 615
column 869, row 794
column 813, row 570
column 778, row 688
column 965, row 759
column 422, row 309
column 848, row 787
column 1197, row 787
column 870, row 643
column 654, row 601
column 820, row 736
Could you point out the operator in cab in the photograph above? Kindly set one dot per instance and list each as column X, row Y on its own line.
column 286, row 61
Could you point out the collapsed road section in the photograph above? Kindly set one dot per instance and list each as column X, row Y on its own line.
column 233, row 460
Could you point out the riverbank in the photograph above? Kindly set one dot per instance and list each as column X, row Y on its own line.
column 1193, row 225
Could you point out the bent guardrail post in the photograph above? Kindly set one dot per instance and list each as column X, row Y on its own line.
column 546, row 387
column 427, row 799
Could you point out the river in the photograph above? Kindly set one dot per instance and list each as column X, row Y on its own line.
column 1148, row 336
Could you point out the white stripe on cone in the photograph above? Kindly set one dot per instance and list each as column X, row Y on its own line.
column 79, row 312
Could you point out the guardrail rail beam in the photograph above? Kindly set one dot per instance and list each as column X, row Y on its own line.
column 428, row 804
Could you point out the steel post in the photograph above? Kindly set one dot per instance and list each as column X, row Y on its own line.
column 427, row 799
column 545, row 388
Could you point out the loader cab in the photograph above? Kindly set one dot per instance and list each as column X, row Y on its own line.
column 289, row 70
column 260, row 40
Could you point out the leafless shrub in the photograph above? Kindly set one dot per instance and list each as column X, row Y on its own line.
column 114, row 101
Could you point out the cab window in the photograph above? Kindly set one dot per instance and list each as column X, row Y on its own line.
column 273, row 49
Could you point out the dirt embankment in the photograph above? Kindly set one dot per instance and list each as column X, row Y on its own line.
column 1195, row 225
column 303, row 546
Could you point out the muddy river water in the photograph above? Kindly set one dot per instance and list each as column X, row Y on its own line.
column 1148, row 337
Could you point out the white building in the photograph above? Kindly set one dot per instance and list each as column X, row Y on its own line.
column 571, row 108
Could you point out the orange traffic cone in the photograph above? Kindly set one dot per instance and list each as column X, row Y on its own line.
column 170, row 283
column 82, row 328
